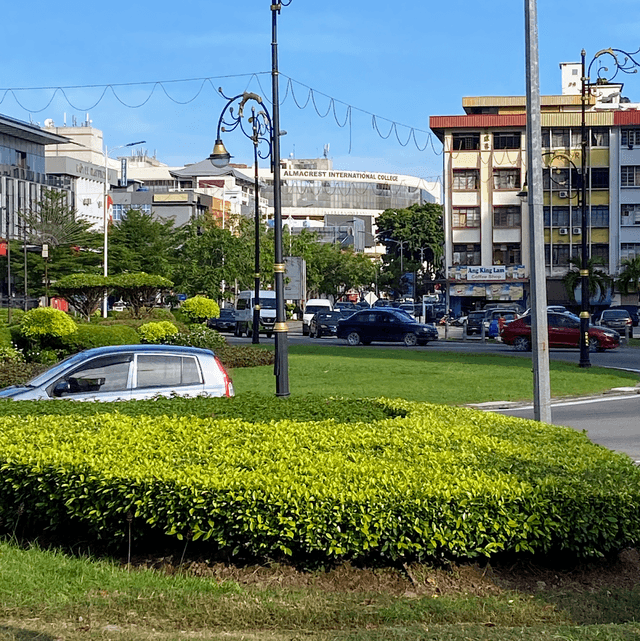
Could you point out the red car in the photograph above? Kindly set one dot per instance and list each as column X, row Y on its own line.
column 564, row 331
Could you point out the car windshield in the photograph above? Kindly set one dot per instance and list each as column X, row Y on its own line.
column 325, row 316
column 312, row 309
column 615, row 313
column 268, row 303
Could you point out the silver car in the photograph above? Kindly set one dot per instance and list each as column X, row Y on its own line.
column 126, row 372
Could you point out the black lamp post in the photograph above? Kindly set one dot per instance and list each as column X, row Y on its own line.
column 263, row 138
column 622, row 61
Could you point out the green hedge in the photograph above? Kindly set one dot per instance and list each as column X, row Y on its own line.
column 418, row 483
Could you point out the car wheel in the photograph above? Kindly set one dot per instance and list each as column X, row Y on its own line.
column 312, row 334
column 305, row 331
column 521, row 344
column 410, row 339
column 353, row 338
column 594, row 344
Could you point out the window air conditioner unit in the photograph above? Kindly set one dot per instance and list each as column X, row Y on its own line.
column 86, row 201
column 563, row 194
column 577, row 231
column 563, row 231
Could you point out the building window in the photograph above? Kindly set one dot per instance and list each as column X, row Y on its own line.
column 600, row 178
column 506, row 254
column 599, row 216
column 600, row 251
column 556, row 217
column 465, row 217
column 629, row 251
column 630, row 176
column 466, row 179
column 468, row 141
column 630, row 137
column 506, row 140
column 506, row 178
column 555, row 138
column 119, row 211
column 599, row 137
column 466, row 254
column 560, row 257
column 630, row 214
column 509, row 217
column 556, row 178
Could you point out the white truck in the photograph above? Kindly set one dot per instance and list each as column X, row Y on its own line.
column 245, row 306
column 314, row 305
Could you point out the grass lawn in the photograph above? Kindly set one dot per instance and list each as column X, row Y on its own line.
column 430, row 376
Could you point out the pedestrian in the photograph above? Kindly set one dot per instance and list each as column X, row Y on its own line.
column 501, row 324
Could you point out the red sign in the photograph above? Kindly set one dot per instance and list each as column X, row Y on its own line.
column 3, row 248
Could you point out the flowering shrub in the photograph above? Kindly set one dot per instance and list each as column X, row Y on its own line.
column 11, row 355
column 199, row 308
column 157, row 332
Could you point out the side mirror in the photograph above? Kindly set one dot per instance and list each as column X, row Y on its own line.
column 61, row 388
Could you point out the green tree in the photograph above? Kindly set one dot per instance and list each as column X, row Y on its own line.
column 413, row 237
column 629, row 279
column 140, row 291
column 84, row 292
column 70, row 243
column 599, row 281
column 142, row 243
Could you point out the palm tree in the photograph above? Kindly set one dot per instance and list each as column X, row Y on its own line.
column 599, row 280
column 629, row 280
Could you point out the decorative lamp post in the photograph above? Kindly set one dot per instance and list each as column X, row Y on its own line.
column 625, row 62
column 263, row 137
column 105, row 215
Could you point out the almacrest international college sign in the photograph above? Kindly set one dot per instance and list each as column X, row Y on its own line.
column 330, row 174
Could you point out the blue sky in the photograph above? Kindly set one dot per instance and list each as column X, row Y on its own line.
column 402, row 61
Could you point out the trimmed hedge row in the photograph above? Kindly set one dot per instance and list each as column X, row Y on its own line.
column 423, row 482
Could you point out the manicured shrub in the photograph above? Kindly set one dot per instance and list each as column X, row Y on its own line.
column 18, row 373
column 198, row 336
column 233, row 356
column 5, row 336
column 423, row 482
column 47, row 322
column 89, row 336
column 157, row 332
column 42, row 333
column 10, row 354
column 199, row 308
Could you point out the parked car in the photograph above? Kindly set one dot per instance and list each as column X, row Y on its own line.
column 475, row 320
column 345, row 306
column 564, row 331
column 125, row 372
column 326, row 323
column 314, row 305
column 226, row 322
column 387, row 325
column 634, row 312
column 618, row 319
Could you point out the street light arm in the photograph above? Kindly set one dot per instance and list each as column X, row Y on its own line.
column 623, row 61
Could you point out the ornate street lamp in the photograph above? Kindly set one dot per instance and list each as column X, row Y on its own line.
column 261, row 133
column 624, row 62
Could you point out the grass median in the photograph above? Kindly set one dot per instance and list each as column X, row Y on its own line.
column 423, row 375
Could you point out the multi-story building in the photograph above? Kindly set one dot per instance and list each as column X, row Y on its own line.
column 22, row 180
column 486, row 225
column 344, row 204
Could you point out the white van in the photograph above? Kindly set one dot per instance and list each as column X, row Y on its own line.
column 244, row 312
column 314, row 305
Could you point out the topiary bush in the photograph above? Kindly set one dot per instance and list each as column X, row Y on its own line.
column 199, row 308
column 157, row 332
column 18, row 373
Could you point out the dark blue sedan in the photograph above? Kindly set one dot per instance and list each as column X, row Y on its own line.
column 385, row 325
